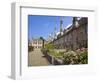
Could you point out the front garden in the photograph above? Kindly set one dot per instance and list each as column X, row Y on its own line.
column 65, row 57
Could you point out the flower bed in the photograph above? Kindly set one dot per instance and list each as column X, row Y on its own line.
column 63, row 57
column 74, row 57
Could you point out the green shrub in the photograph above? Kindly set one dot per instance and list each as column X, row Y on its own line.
column 30, row 48
column 83, row 57
column 72, row 57
column 56, row 54
column 48, row 46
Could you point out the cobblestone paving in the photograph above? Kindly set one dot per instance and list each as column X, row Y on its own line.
column 36, row 58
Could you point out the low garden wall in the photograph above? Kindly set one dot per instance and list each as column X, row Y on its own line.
column 53, row 60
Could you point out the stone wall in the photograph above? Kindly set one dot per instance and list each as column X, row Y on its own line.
column 75, row 37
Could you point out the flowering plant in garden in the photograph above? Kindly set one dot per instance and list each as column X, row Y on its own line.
column 79, row 56
column 70, row 57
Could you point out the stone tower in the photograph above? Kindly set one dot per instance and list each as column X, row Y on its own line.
column 74, row 19
column 61, row 26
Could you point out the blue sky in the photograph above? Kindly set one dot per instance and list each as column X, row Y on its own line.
column 43, row 26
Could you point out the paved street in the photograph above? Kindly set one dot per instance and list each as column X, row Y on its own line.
column 36, row 58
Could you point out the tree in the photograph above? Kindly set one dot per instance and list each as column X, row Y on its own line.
column 42, row 41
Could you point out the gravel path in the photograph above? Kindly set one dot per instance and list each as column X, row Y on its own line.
column 36, row 58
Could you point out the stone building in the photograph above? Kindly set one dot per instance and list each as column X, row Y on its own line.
column 36, row 43
column 74, row 37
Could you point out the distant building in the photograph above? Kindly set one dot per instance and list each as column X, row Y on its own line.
column 74, row 37
column 36, row 43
